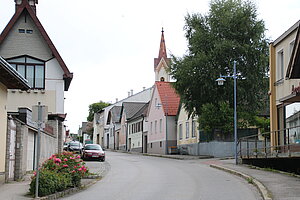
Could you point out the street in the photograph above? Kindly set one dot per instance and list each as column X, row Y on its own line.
column 138, row 177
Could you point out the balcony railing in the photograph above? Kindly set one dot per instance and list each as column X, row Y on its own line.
column 286, row 144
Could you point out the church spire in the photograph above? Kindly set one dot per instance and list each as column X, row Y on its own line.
column 162, row 49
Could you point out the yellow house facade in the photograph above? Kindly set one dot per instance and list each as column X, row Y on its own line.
column 187, row 132
column 284, row 83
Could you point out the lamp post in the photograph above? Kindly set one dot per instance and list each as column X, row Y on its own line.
column 221, row 82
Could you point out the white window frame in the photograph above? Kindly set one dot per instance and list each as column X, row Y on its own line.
column 280, row 65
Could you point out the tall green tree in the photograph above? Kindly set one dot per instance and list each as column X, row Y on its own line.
column 229, row 31
column 95, row 107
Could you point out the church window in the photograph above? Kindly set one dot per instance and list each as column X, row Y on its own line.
column 32, row 69
column 162, row 79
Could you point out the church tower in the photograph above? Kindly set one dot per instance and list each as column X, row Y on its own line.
column 162, row 62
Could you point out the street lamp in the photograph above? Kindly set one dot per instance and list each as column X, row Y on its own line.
column 221, row 81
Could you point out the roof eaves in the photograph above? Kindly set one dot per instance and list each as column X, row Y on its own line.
column 25, row 6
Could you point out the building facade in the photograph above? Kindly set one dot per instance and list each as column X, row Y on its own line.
column 284, row 82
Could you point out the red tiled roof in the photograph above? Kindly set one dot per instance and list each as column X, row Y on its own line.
column 170, row 99
column 25, row 6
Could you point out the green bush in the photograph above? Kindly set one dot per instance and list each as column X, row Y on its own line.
column 58, row 173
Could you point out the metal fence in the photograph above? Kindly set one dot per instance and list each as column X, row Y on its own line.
column 287, row 144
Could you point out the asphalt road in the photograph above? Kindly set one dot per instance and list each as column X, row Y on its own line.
column 137, row 177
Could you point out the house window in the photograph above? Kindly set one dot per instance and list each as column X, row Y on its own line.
column 162, row 79
column 180, row 131
column 155, row 126
column 151, row 124
column 280, row 65
column 187, row 129
column 160, row 125
column 151, row 145
column 291, row 47
column 21, row 30
column 31, row 69
column 160, row 143
column 28, row 31
column 193, row 128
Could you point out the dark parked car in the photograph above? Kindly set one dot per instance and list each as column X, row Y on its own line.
column 75, row 147
column 93, row 152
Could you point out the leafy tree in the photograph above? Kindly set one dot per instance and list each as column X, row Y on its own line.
column 95, row 107
column 230, row 31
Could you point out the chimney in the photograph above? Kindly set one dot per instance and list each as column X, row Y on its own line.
column 30, row 2
column 131, row 92
column 144, row 88
column 117, row 100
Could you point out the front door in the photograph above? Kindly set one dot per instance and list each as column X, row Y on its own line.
column 117, row 142
column 107, row 141
column 145, row 144
column 12, row 150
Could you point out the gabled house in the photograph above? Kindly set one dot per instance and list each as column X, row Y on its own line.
column 102, row 129
column 161, row 118
column 113, row 123
column 27, row 47
column 132, row 123
column 284, row 84
column 9, row 79
column 187, row 132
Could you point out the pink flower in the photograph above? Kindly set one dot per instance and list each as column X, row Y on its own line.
column 75, row 167
column 65, row 165
column 72, row 158
column 65, row 159
column 78, row 156
column 73, row 171
column 57, row 160
column 80, row 169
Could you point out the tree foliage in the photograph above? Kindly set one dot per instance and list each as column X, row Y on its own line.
column 230, row 31
column 95, row 107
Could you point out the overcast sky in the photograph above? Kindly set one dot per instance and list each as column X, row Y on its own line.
column 110, row 45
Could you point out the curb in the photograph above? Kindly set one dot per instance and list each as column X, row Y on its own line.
column 71, row 190
column 265, row 193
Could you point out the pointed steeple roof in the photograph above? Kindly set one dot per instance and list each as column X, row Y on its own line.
column 162, row 50
column 25, row 7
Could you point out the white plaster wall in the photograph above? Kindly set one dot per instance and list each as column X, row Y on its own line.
column 3, row 125
column 136, row 138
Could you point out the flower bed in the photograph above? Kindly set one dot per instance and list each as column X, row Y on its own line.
column 58, row 173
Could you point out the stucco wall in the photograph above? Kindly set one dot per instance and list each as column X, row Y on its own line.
column 284, row 87
column 3, row 126
column 136, row 138
column 182, row 119
column 17, row 43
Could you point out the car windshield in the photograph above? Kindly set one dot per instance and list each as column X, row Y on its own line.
column 74, row 144
column 93, row 147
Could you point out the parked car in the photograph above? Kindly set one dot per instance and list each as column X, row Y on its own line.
column 66, row 144
column 93, row 152
column 75, row 147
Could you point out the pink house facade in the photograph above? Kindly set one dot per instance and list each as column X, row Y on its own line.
column 162, row 112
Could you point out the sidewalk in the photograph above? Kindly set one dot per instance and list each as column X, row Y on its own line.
column 19, row 190
column 279, row 186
